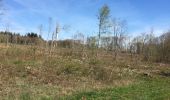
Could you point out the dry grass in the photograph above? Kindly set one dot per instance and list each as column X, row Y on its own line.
column 30, row 70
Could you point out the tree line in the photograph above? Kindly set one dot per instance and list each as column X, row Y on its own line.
column 17, row 38
column 111, row 37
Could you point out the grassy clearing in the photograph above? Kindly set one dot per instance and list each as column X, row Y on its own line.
column 148, row 89
column 31, row 74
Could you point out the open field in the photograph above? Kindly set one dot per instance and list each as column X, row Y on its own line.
column 84, row 50
column 30, row 72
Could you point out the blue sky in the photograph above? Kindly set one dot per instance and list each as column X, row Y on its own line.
column 81, row 15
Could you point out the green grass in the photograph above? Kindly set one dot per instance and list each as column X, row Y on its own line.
column 147, row 89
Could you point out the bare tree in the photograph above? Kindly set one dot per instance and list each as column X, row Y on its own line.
column 40, row 30
column 39, row 39
column 119, row 29
column 103, row 17
column 78, row 45
column 148, row 51
column 49, row 30
column 55, row 35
